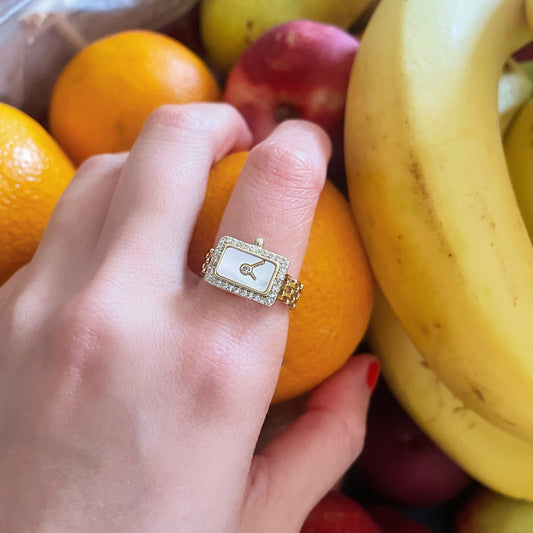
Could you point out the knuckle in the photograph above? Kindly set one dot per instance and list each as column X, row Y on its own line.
column 100, row 163
column 216, row 358
column 189, row 119
column 80, row 333
column 288, row 167
column 223, row 373
column 21, row 311
column 13, row 327
column 352, row 433
column 24, row 310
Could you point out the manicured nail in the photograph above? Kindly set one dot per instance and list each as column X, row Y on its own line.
column 372, row 374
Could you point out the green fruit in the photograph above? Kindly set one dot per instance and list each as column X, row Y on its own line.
column 229, row 26
column 488, row 512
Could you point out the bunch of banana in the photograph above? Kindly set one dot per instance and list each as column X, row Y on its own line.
column 435, row 206
column 489, row 454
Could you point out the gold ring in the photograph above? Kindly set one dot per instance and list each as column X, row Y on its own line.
column 252, row 272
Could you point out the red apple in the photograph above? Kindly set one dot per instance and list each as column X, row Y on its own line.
column 399, row 462
column 391, row 521
column 338, row 513
column 525, row 53
column 298, row 69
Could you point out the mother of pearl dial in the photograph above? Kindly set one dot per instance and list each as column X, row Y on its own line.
column 241, row 267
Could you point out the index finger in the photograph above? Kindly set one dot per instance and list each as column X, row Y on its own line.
column 162, row 185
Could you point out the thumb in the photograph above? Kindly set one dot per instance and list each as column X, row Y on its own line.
column 295, row 470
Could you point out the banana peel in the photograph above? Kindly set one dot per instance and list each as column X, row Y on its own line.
column 492, row 456
column 433, row 200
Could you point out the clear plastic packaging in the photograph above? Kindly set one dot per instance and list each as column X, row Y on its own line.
column 38, row 37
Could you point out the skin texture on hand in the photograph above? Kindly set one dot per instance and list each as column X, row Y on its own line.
column 132, row 393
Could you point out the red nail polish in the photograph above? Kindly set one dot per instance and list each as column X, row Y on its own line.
column 372, row 374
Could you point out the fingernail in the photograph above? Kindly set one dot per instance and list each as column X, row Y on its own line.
column 372, row 374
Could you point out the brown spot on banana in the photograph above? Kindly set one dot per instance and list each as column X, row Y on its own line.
column 425, row 202
column 477, row 392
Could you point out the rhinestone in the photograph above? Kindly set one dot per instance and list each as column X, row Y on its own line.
column 246, row 269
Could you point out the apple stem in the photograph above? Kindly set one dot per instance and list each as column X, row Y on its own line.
column 284, row 111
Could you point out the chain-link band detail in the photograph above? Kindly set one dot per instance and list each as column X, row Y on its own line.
column 208, row 257
column 290, row 291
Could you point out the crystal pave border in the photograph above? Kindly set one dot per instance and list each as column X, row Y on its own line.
column 266, row 299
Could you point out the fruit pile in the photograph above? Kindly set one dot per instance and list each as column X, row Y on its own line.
column 423, row 227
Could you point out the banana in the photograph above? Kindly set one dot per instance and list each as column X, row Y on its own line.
column 514, row 89
column 432, row 197
column 518, row 146
column 489, row 454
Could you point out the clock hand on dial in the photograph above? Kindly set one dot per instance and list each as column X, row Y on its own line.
column 248, row 270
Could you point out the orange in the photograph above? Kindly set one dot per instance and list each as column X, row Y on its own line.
column 34, row 171
column 334, row 310
column 105, row 93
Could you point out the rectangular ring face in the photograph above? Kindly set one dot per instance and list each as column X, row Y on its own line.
column 247, row 270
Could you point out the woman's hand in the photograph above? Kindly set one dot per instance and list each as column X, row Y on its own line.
column 132, row 393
